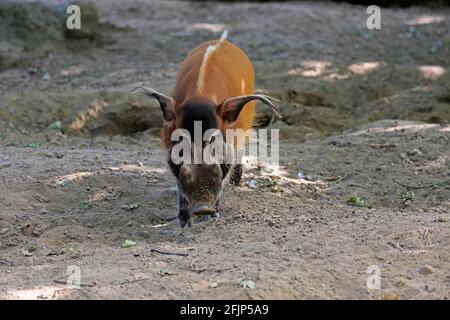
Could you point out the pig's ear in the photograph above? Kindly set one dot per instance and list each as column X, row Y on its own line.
column 166, row 103
column 230, row 108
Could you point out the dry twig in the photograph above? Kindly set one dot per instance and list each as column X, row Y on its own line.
column 169, row 253
column 81, row 284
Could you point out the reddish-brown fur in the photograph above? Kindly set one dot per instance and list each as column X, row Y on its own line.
column 228, row 73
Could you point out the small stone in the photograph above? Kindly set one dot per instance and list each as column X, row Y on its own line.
column 71, row 71
column 38, row 230
column 130, row 206
column 415, row 152
column 46, row 76
column 213, row 285
column 26, row 252
column 5, row 165
column 426, row 270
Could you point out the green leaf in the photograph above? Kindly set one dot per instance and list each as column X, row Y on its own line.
column 128, row 243
column 406, row 195
column 262, row 183
column 356, row 201
column 32, row 145
column 165, row 272
column 86, row 206
column 57, row 125
column 245, row 282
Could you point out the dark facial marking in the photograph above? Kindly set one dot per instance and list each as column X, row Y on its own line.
column 199, row 111
column 195, row 111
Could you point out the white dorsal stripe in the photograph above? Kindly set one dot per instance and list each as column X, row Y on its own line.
column 208, row 53
column 224, row 35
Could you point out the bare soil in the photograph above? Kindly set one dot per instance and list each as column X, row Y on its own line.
column 366, row 116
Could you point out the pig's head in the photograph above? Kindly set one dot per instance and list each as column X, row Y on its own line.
column 193, row 132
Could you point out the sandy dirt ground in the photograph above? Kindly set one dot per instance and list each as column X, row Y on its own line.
column 363, row 181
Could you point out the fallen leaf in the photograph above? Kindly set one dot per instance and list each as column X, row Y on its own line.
column 57, row 125
column 356, row 201
column 128, row 243
column 245, row 282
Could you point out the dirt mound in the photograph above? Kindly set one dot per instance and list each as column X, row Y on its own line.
column 29, row 29
column 90, row 113
column 329, row 107
column 29, row 23
column 25, row 26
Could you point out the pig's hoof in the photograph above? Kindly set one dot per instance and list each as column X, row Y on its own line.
column 189, row 222
column 236, row 175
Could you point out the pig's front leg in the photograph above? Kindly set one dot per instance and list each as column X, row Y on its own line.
column 183, row 211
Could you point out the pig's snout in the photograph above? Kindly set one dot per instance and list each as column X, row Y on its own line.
column 199, row 189
column 203, row 210
column 186, row 215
